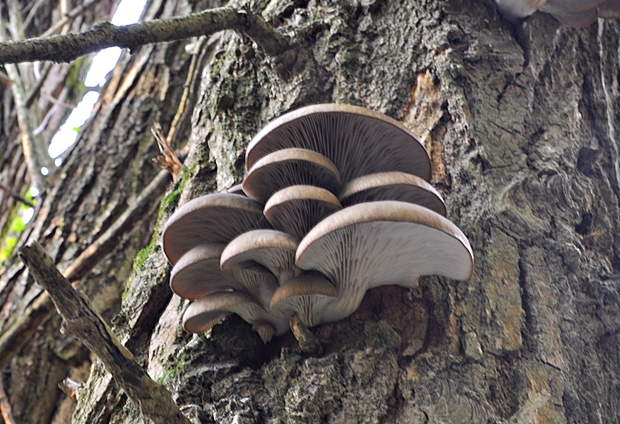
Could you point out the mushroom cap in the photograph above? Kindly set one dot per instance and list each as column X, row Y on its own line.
column 570, row 6
column 287, row 167
column 357, row 140
column 296, row 209
column 236, row 189
column 198, row 274
column 275, row 250
column 213, row 218
column 381, row 243
column 609, row 10
column 307, row 295
column 392, row 186
column 202, row 314
column 516, row 9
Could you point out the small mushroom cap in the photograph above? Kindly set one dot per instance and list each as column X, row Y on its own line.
column 272, row 249
column 357, row 140
column 296, row 209
column 517, row 9
column 288, row 167
column 213, row 218
column 202, row 314
column 236, row 189
column 198, row 274
column 393, row 186
column 389, row 242
column 307, row 295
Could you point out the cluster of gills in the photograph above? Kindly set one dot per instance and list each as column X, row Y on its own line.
column 336, row 201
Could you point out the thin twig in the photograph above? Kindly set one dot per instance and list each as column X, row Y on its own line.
column 15, row 195
column 168, row 159
column 154, row 400
column 64, row 48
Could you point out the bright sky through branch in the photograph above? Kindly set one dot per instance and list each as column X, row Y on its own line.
column 128, row 12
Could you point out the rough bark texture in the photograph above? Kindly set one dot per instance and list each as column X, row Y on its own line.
column 521, row 123
column 101, row 179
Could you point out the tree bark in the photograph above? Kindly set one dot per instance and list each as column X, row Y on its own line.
column 521, row 123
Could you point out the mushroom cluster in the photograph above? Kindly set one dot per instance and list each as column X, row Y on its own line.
column 335, row 201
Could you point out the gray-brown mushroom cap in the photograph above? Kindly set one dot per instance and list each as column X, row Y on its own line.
column 272, row 249
column 287, row 167
column 213, row 218
column 198, row 274
column 381, row 243
column 392, row 186
column 357, row 140
column 296, row 209
column 308, row 295
column 202, row 314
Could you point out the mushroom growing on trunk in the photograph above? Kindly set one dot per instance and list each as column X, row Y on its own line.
column 382, row 243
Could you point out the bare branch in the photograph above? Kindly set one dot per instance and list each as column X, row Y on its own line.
column 154, row 401
column 64, row 48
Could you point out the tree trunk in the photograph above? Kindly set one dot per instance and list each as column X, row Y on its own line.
column 520, row 123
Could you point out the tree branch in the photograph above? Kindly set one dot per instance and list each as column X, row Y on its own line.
column 153, row 400
column 65, row 48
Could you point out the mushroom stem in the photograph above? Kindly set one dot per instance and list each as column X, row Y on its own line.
column 308, row 342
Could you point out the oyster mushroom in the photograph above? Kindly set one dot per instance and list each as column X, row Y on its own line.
column 198, row 274
column 296, row 209
column 275, row 250
column 393, row 186
column 288, row 167
column 204, row 313
column 357, row 140
column 381, row 243
column 213, row 218
column 575, row 13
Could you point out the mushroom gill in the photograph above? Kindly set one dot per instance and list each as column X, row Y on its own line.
column 383, row 243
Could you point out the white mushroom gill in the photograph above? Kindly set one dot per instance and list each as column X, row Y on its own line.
column 275, row 250
column 288, row 167
column 357, row 140
column 296, row 209
column 392, row 186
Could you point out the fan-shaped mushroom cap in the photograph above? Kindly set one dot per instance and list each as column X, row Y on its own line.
column 357, row 140
column 380, row 243
column 236, row 189
column 288, row 167
column 609, row 10
column 296, row 209
column 198, row 274
column 392, row 186
column 517, row 9
column 202, row 314
column 272, row 249
column 307, row 295
column 213, row 218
